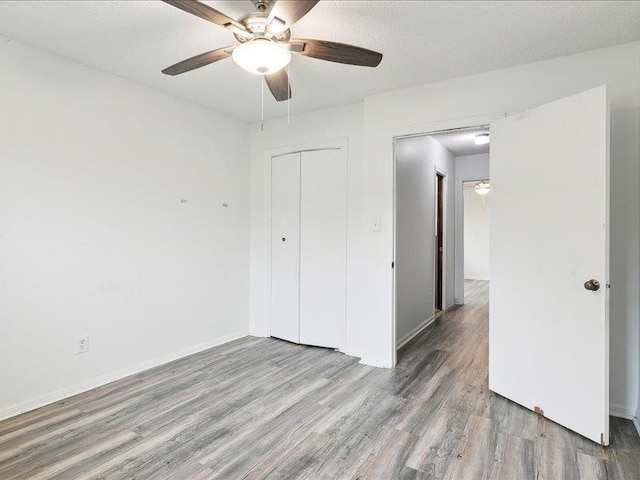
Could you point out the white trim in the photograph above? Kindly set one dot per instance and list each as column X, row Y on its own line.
column 413, row 333
column 57, row 395
column 637, row 425
column 450, row 305
column 621, row 411
column 394, row 226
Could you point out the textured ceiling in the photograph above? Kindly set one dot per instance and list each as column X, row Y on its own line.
column 421, row 41
column 462, row 142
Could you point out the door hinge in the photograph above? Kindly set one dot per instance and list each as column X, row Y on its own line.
column 393, row 264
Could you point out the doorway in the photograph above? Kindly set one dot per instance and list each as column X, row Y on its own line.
column 439, row 260
column 571, row 266
column 425, row 223
column 476, row 227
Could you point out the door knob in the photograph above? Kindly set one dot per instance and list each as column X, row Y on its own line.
column 592, row 285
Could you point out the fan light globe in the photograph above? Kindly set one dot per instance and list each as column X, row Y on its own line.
column 261, row 56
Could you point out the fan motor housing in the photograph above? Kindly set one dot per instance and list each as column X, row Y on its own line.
column 261, row 5
column 256, row 23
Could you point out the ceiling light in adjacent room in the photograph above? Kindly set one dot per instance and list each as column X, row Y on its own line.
column 481, row 139
column 482, row 188
column 261, row 56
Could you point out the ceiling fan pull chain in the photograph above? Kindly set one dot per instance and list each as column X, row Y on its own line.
column 289, row 95
column 262, row 102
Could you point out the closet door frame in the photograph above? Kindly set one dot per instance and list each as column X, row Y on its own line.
column 336, row 144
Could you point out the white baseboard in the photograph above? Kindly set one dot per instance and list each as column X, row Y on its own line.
column 621, row 411
column 407, row 338
column 450, row 305
column 57, row 395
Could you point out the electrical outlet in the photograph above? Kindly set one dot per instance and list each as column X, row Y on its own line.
column 82, row 344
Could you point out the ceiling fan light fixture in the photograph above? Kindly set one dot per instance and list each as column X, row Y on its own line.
column 481, row 139
column 261, row 56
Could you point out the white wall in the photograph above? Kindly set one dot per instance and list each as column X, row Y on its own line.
column 416, row 161
column 468, row 167
column 513, row 90
column 94, row 238
column 476, row 235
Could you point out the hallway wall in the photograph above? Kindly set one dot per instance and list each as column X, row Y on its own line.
column 416, row 161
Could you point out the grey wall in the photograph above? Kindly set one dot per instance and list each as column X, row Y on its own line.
column 416, row 161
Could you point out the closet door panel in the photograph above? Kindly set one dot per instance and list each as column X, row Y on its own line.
column 285, row 247
column 323, row 245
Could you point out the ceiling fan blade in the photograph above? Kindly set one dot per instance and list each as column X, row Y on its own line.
column 336, row 52
column 290, row 11
column 278, row 83
column 204, row 11
column 198, row 61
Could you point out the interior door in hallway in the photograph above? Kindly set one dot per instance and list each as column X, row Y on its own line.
column 549, row 321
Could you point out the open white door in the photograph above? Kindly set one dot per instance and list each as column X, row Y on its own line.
column 549, row 334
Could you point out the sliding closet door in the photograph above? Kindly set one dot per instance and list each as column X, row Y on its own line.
column 323, row 245
column 285, row 247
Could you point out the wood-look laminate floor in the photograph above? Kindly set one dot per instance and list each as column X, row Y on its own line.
column 263, row 408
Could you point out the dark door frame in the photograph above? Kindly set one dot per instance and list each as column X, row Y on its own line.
column 439, row 243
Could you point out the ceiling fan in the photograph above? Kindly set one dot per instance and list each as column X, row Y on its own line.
column 265, row 42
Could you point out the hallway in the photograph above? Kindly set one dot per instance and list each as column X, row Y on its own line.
column 263, row 408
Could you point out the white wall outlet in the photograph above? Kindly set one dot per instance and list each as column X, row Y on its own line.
column 82, row 344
